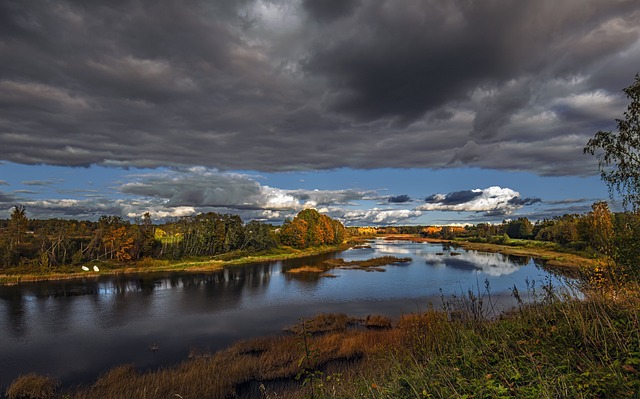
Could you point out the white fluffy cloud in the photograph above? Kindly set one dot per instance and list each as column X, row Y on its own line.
column 493, row 200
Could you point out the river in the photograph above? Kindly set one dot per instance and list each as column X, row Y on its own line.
column 76, row 329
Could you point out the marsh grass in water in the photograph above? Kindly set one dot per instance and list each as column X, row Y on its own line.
column 373, row 264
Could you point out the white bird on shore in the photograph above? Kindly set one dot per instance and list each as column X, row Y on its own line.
column 95, row 269
column 86, row 269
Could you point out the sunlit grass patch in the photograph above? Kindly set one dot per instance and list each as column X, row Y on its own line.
column 306, row 269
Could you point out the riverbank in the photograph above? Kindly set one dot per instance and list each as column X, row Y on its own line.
column 564, row 261
column 551, row 347
column 548, row 252
column 27, row 274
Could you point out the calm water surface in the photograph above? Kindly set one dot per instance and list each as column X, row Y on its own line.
column 74, row 330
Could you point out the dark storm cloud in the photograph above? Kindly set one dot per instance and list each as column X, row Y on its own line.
column 200, row 189
column 80, row 209
column 400, row 62
column 572, row 201
column 399, row 199
column 524, row 201
column 495, row 110
column 286, row 85
column 455, row 198
column 329, row 10
column 331, row 197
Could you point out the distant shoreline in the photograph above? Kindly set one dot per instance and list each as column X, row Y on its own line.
column 564, row 261
column 567, row 261
column 159, row 265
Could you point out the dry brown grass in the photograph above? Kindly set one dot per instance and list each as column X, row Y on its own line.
column 322, row 323
column 306, row 269
column 257, row 360
column 377, row 321
column 32, row 386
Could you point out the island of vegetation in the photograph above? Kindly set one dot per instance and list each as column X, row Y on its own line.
column 370, row 265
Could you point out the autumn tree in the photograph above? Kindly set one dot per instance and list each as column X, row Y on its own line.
column 294, row 233
column 310, row 228
column 619, row 152
column 118, row 243
column 619, row 164
column 599, row 227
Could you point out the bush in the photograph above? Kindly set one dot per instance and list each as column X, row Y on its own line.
column 33, row 386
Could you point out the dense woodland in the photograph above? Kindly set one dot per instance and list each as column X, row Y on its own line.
column 56, row 242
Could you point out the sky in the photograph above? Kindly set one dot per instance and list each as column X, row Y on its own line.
column 373, row 112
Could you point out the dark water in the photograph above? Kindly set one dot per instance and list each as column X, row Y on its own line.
column 74, row 330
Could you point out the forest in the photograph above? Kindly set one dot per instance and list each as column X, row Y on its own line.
column 57, row 242
column 46, row 244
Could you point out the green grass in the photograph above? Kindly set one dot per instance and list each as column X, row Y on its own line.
column 573, row 349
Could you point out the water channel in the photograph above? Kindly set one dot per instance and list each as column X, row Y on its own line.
column 74, row 330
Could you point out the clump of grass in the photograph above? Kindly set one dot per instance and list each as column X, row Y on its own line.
column 322, row 323
column 33, row 386
column 368, row 264
column 362, row 246
column 306, row 269
column 377, row 322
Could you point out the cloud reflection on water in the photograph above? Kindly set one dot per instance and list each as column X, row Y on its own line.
column 492, row 264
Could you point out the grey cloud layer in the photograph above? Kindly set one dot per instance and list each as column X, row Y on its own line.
column 198, row 188
column 289, row 85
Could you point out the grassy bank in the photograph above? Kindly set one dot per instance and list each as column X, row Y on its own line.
column 550, row 348
column 16, row 275
column 554, row 255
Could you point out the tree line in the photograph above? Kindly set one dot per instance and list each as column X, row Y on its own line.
column 58, row 242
